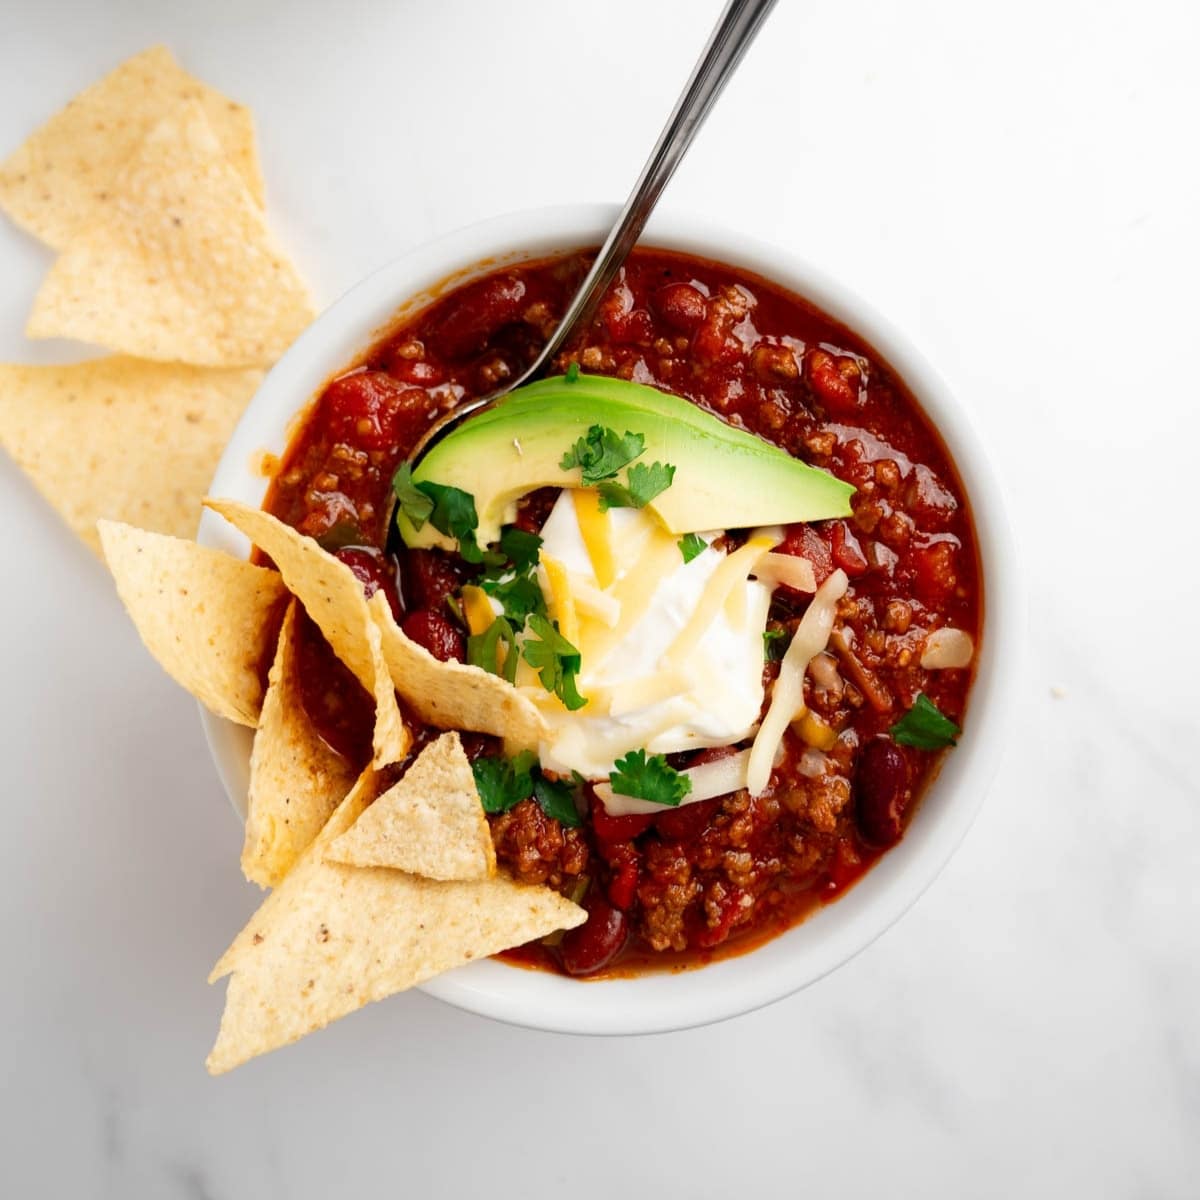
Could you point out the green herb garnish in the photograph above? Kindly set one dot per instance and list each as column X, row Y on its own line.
column 416, row 504
column 603, row 453
column 555, row 660
column 572, row 372
column 557, row 799
column 520, row 548
column 454, row 515
column 520, row 595
column 774, row 645
column 504, row 782
column 925, row 727
column 690, row 545
column 483, row 650
column 649, row 779
column 643, row 484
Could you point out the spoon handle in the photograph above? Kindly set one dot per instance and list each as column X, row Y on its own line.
column 729, row 41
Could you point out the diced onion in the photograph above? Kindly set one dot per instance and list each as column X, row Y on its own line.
column 947, row 649
column 813, row 763
column 788, row 569
column 826, row 675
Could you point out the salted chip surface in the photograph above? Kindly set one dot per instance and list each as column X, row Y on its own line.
column 454, row 695
column 180, row 265
column 121, row 438
column 334, row 599
column 60, row 180
column 296, row 779
column 430, row 823
column 332, row 938
column 207, row 617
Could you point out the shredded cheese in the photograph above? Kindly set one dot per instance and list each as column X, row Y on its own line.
column 595, row 528
column 709, row 780
column 788, row 569
column 562, row 601
column 787, row 699
column 477, row 608
column 732, row 573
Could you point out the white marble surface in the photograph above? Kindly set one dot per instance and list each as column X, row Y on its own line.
column 1015, row 186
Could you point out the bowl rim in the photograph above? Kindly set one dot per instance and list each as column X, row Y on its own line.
column 664, row 1001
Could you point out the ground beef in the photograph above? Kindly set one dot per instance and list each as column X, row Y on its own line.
column 537, row 848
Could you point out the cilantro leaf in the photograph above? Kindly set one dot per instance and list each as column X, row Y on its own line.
column 519, row 594
column 925, row 727
column 557, row 799
column 454, row 515
column 483, row 650
column 416, row 505
column 520, row 548
column 572, row 372
column 603, row 453
column 690, row 545
column 644, row 483
column 774, row 645
column 555, row 660
column 649, row 779
column 504, row 782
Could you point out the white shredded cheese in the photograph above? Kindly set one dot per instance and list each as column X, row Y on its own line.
column 709, row 780
column 787, row 698
column 788, row 569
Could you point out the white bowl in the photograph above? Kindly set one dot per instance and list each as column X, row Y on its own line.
column 658, row 1002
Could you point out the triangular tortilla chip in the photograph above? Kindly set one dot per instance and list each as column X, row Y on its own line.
column 121, row 438
column 206, row 616
column 181, row 266
column 353, row 805
column 453, row 695
column 61, row 178
column 334, row 599
column 431, row 823
column 333, row 938
column 296, row 779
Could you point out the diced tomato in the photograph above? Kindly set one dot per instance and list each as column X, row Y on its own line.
column 478, row 311
column 846, row 549
column 623, row 886
column 804, row 540
column 936, row 572
column 617, row 829
column 687, row 821
column 375, row 411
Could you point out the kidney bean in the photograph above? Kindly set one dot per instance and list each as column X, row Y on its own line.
column 478, row 311
column 374, row 572
column 681, row 306
column 429, row 577
column 880, row 791
column 593, row 945
column 437, row 634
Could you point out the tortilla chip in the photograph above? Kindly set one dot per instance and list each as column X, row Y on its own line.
column 61, row 179
column 180, row 266
column 453, row 695
column 121, row 438
column 431, row 823
column 333, row 938
column 296, row 779
column 334, row 598
column 206, row 616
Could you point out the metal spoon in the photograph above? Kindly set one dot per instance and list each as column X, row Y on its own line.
column 730, row 39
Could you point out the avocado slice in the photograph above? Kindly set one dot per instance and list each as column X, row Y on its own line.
column 725, row 478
